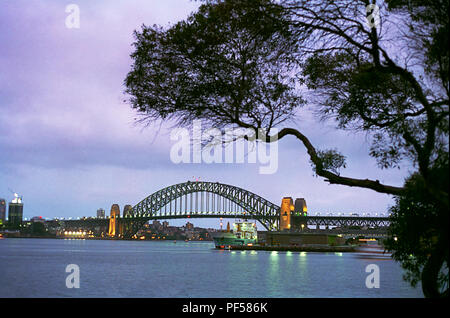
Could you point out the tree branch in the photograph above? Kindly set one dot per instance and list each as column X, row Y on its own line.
column 331, row 177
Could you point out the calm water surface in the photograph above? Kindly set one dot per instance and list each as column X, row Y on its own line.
column 36, row 268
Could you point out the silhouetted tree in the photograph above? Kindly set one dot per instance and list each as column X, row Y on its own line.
column 246, row 63
column 419, row 233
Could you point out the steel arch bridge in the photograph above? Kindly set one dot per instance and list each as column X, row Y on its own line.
column 216, row 200
column 201, row 199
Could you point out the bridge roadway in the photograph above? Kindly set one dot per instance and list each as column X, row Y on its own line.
column 333, row 221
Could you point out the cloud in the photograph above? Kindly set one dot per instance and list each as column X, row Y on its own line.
column 68, row 142
column 61, row 101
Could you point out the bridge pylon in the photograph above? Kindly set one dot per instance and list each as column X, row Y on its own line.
column 293, row 215
column 113, row 223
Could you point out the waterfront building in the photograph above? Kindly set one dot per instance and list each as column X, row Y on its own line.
column 156, row 224
column 36, row 219
column 101, row 213
column 2, row 211
column 15, row 211
column 189, row 226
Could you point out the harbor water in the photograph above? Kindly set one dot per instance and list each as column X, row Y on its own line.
column 37, row 268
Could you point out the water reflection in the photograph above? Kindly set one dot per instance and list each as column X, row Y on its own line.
column 35, row 268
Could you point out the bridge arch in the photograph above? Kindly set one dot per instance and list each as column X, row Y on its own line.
column 255, row 206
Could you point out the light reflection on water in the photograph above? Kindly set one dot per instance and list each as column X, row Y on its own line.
column 36, row 268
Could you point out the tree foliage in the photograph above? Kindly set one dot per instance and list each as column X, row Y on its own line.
column 227, row 64
column 255, row 63
column 419, row 233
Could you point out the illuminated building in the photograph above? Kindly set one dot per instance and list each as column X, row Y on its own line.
column 101, row 213
column 15, row 211
column 115, row 213
column 2, row 211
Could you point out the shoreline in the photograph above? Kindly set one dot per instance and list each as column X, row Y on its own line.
column 301, row 248
column 96, row 239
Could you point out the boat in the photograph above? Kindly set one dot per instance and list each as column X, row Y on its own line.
column 243, row 233
column 1, row 236
column 372, row 249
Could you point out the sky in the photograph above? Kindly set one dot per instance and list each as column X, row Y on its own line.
column 70, row 145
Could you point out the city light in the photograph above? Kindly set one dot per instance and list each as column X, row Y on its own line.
column 78, row 234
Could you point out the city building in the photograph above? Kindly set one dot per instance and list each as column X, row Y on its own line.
column 37, row 219
column 15, row 211
column 2, row 211
column 189, row 226
column 156, row 224
column 101, row 213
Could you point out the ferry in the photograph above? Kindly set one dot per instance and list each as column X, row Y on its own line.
column 243, row 233
column 372, row 249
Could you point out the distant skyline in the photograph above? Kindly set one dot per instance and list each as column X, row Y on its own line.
column 68, row 142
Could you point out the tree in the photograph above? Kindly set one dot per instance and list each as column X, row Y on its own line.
column 226, row 64
column 245, row 64
column 419, row 233
column 393, row 85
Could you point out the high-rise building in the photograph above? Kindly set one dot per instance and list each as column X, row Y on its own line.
column 101, row 213
column 2, row 211
column 15, row 211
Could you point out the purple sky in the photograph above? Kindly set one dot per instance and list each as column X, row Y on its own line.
column 68, row 143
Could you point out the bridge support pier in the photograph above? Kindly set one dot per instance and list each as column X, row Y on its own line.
column 115, row 213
